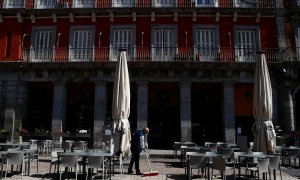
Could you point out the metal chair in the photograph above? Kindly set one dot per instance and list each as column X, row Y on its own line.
column 261, row 167
column 195, row 161
column 96, row 162
column 274, row 164
column 14, row 158
column 68, row 161
column 177, row 146
column 219, row 163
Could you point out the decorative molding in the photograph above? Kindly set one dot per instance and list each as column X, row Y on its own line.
column 217, row 16
column 235, row 16
column 133, row 16
column 32, row 17
column 152, row 16
column 54, row 18
column 71, row 16
column 175, row 16
column 20, row 17
column 194, row 16
column 258, row 15
column 93, row 17
column 111, row 17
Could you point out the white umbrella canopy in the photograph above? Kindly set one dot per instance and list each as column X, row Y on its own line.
column 263, row 129
column 121, row 134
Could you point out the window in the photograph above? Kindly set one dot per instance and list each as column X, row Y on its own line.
column 123, row 3
column 82, row 43
column 246, row 44
column 206, row 3
column 13, row 4
column 163, row 43
column 245, row 3
column 42, row 47
column 45, row 4
column 206, row 47
column 122, row 39
column 164, row 3
column 83, row 3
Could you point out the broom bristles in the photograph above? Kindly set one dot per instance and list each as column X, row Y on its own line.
column 152, row 173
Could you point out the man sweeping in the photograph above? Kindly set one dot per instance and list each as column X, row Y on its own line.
column 137, row 145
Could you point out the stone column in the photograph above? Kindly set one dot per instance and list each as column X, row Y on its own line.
column 185, row 111
column 288, row 110
column 275, row 104
column 16, row 95
column 229, row 112
column 99, row 112
column 59, row 107
column 142, row 104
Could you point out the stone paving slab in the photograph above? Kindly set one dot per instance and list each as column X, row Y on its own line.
column 161, row 161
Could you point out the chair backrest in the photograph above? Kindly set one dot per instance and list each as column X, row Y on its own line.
column 237, row 154
column 274, row 162
column 190, row 144
column 177, row 145
column 227, row 153
column 204, row 150
column 219, row 163
column 40, row 143
column 278, row 150
column 95, row 161
column 66, row 145
column 78, row 145
column 14, row 158
column 247, row 150
column 97, row 150
column 263, row 165
column 197, row 161
column 213, row 146
column 293, row 153
column 257, row 153
column 207, row 143
column 68, row 160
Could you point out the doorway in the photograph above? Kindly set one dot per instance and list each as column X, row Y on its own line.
column 163, row 115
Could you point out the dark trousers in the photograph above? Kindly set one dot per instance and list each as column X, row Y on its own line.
column 135, row 158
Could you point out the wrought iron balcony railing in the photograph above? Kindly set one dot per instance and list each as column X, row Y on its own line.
column 151, row 54
column 57, row 4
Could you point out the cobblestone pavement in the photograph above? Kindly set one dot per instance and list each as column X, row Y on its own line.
column 166, row 165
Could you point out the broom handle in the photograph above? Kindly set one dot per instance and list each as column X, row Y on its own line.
column 148, row 161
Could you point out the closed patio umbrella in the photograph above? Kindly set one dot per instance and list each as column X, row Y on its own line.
column 263, row 129
column 121, row 134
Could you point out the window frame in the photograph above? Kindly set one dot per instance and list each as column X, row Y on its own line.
column 130, row 52
column 75, row 28
column 251, row 55
column 34, row 31
column 216, row 49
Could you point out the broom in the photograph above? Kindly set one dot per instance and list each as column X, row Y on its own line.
column 151, row 173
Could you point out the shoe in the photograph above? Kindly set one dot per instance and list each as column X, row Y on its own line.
column 139, row 173
column 130, row 172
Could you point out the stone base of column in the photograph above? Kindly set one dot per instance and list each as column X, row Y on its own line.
column 230, row 135
column 186, row 134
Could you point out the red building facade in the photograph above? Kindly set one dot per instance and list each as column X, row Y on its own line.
column 191, row 65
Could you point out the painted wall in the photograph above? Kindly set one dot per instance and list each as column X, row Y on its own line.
column 11, row 35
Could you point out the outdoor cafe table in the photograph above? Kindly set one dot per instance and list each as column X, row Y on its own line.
column 14, row 145
column 250, row 155
column 285, row 151
column 207, row 157
column 84, row 155
column 28, row 152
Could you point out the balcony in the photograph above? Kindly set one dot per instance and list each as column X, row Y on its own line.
column 13, row 4
column 150, row 54
column 295, row 4
column 102, row 4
